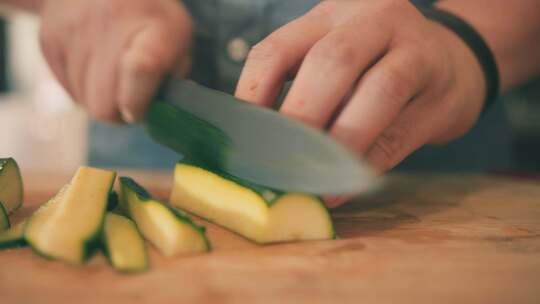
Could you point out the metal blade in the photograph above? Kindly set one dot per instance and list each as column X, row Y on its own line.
column 252, row 143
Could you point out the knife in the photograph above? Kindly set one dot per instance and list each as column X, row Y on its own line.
column 252, row 143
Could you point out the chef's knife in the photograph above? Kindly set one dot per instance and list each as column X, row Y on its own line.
column 252, row 143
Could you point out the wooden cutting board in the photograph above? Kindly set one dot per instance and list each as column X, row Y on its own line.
column 424, row 239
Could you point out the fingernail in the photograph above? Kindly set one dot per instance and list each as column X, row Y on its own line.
column 127, row 116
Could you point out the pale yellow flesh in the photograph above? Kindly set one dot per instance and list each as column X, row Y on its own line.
column 10, row 186
column 163, row 229
column 240, row 209
column 296, row 217
column 14, row 233
column 61, row 228
column 219, row 200
column 124, row 243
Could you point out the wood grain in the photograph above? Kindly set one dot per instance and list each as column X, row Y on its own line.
column 422, row 239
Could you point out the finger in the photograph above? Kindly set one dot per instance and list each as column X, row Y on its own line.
column 272, row 60
column 151, row 52
column 78, row 54
column 330, row 70
column 379, row 97
column 413, row 128
column 102, row 83
column 336, row 201
column 51, row 48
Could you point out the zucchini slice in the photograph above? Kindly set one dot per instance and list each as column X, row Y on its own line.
column 13, row 237
column 123, row 244
column 68, row 226
column 169, row 230
column 257, row 213
column 4, row 218
column 11, row 185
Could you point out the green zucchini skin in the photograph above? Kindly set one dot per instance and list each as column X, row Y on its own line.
column 200, row 229
column 112, row 202
column 128, row 184
column 107, row 246
column 13, row 237
column 144, row 196
column 187, row 134
column 4, row 218
column 7, row 164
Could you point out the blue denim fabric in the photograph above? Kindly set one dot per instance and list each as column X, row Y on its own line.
column 217, row 23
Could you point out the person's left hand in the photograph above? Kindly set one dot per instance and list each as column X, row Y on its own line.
column 110, row 55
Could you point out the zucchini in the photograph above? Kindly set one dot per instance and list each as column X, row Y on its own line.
column 261, row 214
column 69, row 225
column 169, row 230
column 13, row 237
column 123, row 244
column 11, row 185
column 4, row 218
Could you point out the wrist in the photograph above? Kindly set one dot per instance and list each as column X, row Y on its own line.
column 468, row 73
column 461, row 82
column 476, row 45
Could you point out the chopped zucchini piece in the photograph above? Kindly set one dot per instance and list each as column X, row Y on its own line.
column 13, row 237
column 4, row 218
column 258, row 213
column 11, row 185
column 123, row 244
column 68, row 226
column 169, row 230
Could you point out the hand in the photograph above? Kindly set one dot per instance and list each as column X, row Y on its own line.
column 378, row 75
column 111, row 54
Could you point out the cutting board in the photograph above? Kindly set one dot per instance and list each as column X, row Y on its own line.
column 421, row 239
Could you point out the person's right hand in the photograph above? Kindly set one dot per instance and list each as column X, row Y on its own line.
column 110, row 55
column 377, row 75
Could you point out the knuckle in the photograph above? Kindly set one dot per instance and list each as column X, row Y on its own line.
column 396, row 83
column 398, row 13
column 351, row 136
column 180, row 16
column 339, row 52
column 268, row 50
column 103, row 112
column 388, row 147
column 327, row 7
column 142, row 61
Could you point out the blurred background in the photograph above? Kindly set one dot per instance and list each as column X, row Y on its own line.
column 45, row 131
column 39, row 125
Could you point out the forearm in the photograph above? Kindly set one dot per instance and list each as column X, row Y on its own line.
column 29, row 5
column 511, row 29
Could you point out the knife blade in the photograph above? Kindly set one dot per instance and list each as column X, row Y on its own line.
column 251, row 142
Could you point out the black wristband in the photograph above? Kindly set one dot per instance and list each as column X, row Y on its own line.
column 476, row 43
